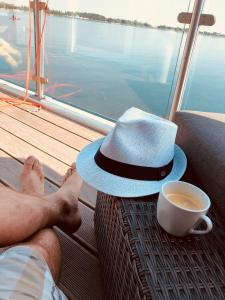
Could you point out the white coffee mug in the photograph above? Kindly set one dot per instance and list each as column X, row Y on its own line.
column 180, row 220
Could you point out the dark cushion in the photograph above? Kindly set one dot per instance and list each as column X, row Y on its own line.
column 202, row 137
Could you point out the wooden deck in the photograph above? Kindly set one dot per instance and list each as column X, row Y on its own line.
column 56, row 142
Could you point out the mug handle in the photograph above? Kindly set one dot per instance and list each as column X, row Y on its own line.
column 209, row 226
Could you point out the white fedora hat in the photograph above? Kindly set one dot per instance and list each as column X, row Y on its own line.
column 135, row 158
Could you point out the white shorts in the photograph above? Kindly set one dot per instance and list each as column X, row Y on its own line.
column 24, row 275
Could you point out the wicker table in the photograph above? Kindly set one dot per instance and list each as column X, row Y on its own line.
column 141, row 261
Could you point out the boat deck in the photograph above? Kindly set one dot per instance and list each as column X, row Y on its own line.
column 56, row 142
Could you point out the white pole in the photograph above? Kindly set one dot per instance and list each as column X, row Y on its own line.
column 186, row 57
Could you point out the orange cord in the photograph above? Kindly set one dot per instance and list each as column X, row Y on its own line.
column 17, row 101
column 21, row 75
column 60, row 85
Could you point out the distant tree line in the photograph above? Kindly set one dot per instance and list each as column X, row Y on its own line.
column 101, row 18
column 12, row 6
column 164, row 27
column 97, row 17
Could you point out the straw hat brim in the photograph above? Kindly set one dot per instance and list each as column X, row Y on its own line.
column 114, row 185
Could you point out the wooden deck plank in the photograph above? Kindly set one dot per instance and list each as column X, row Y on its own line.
column 45, row 143
column 9, row 174
column 87, row 231
column 67, row 124
column 73, row 140
column 89, row 194
column 53, row 168
column 80, row 276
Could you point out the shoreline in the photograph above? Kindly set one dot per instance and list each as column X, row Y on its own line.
column 102, row 19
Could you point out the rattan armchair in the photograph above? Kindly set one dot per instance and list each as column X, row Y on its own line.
column 141, row 261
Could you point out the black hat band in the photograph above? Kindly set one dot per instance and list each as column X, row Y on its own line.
column 131, row 171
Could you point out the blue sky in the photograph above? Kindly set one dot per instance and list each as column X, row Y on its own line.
column 154, row 12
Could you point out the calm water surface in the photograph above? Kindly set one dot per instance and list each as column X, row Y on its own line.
column 106, row 68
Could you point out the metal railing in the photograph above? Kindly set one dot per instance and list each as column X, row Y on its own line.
column 195, row 22
column 39, row 8
column 186, row 57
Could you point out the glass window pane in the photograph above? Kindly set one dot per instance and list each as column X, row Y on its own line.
column 205, row 87
column 117, row 55
column 14, row 32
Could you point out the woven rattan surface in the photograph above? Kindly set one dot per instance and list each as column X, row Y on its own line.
column 141, row 261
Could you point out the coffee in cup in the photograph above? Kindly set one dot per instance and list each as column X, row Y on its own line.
column 182, row 207
column 185, row 201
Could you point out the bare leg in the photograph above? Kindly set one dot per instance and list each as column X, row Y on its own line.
column 23, row 215
column 45, row 242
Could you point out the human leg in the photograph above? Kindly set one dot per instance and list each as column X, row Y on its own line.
column 44, row 242
column 22, row 215
column 30, row 269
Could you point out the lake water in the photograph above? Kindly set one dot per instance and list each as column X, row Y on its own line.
column 106, row 68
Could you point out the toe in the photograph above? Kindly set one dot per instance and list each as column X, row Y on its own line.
column 37, row 167
column 73, row 166
column 29, row 162
column 68, row 174
column 32, row 177
column 70, row 171
column 41, row 172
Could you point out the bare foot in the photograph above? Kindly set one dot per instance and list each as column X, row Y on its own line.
column 67, row 196
column 32, row 177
